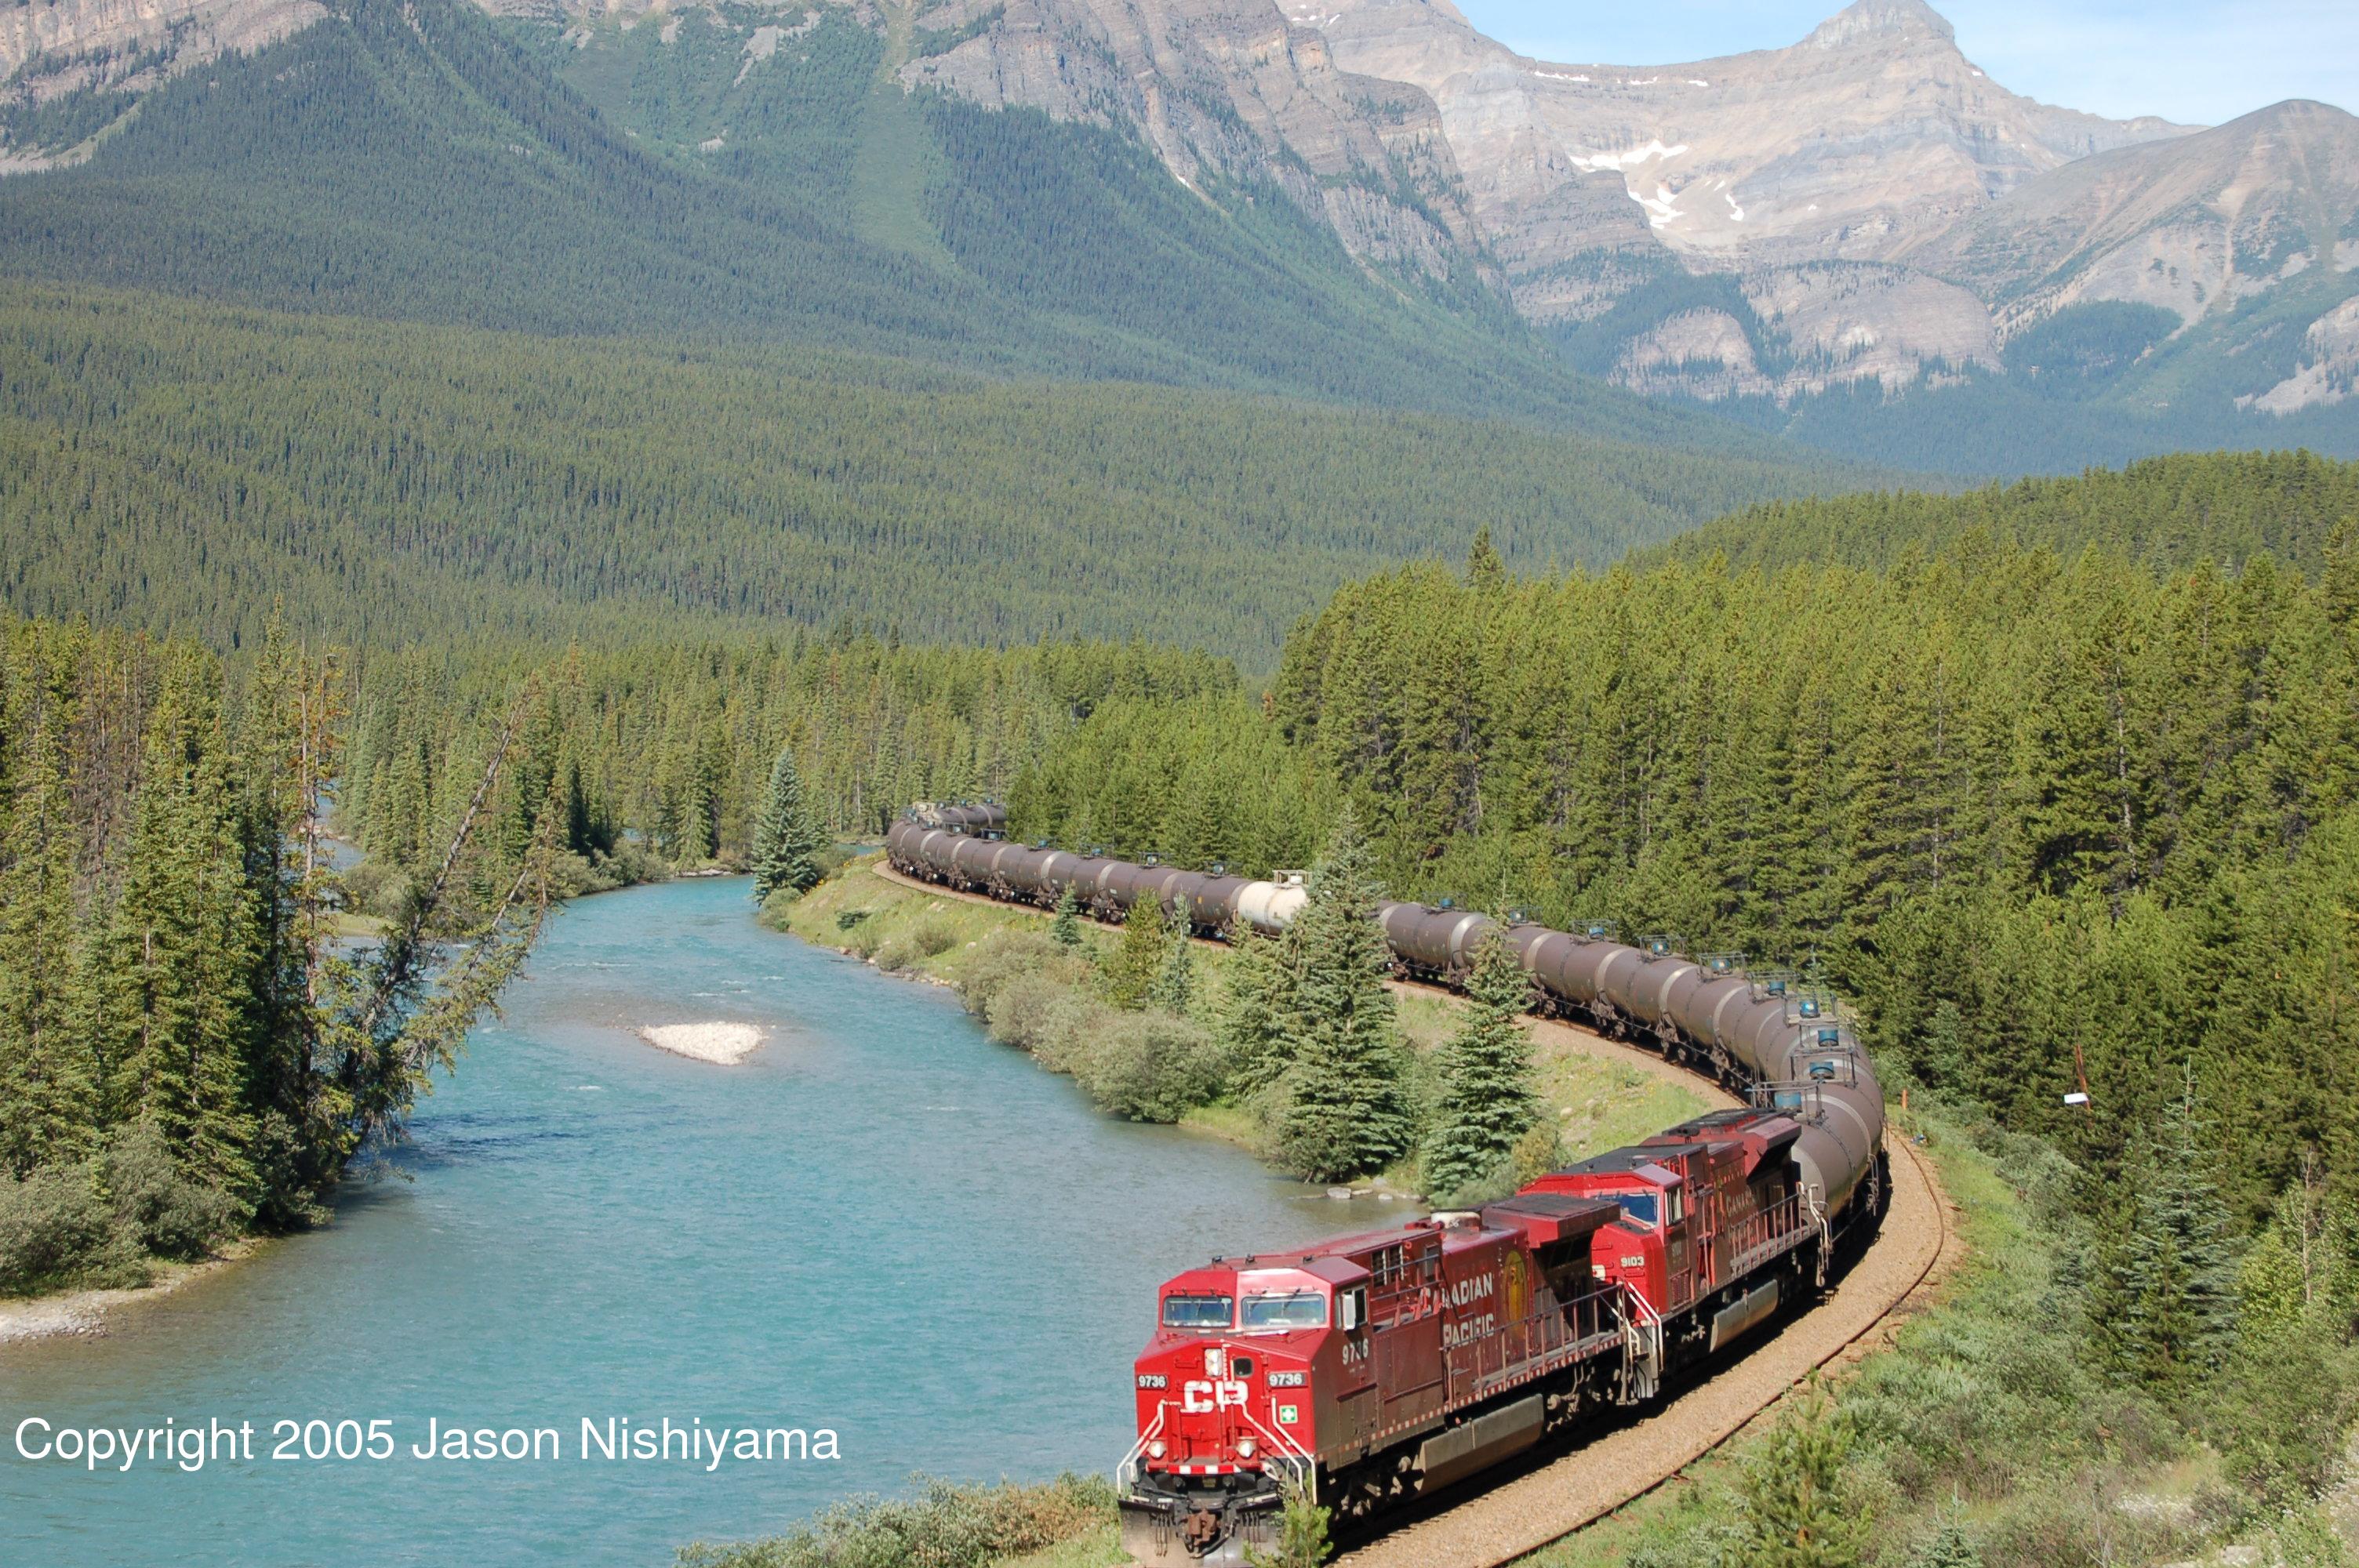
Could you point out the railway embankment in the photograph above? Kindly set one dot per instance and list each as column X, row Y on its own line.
column 1603, row 1095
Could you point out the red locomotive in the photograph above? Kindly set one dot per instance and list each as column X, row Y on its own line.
column 1382, row 1367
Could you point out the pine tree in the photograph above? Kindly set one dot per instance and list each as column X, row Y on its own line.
column 1488, row 1101
column 787, row 838
column 1131, row 968
column 1257, row 997
column 1347, row 1111
column 1797, row 1515
column 1066, row 929
column 1173, row 990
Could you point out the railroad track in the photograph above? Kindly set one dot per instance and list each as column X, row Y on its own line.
column 1505, row 1520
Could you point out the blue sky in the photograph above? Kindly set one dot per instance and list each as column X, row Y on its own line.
column 2185, row 61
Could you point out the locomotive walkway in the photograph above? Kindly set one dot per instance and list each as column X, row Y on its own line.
column 1505, row 1520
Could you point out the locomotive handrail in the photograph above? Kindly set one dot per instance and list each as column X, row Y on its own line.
column 1645, row 1331
column 1128, row 1472
column 1297, row 1457
column 1758, row 1237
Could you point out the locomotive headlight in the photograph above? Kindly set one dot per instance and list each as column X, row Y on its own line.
column 1154, row 1449
column 1244, row 1447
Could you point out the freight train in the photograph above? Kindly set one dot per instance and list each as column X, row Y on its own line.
column 1378, row 1368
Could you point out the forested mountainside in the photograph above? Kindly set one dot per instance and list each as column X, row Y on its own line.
column 177, row 466
column 423, row 161
column 1375, row 205
column 2166, row 512
column 2024, row 806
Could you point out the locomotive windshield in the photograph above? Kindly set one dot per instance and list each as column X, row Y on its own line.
column 1640, row 1206
column 1197, row 1312
column 1295, row 1309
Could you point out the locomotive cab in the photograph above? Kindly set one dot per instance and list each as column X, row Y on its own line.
column 1230, row 1392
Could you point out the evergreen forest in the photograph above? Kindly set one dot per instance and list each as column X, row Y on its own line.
column 184, row 468
column 193, row 1048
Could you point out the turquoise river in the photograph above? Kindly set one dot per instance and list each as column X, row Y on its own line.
column 882, row 1225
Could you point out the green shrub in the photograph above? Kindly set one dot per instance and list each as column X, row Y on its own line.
column 1070, row 1028
column 2280, row 1411
column 1148, row 1066
column 945, row 1526
column 999, row 959
column 846, row 919
column 896, row 954
column 55, row 1227
column 1302, row 1534
column 157, row 1203
column 933, row 938
column 1021, row 1008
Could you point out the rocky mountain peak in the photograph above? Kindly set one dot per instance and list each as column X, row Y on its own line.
column 1904, row 20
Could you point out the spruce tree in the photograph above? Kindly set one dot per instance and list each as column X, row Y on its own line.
column 1950, row 1547
column 2164, row 1306
column 1257, row 999
column 788, row 836
column 1173, row 989
column 1488, row 1101
column 1485, row 572
column 49, row 1109
column 1130, row 968
column 1066, row 929
column 180, row 945
column 1347, row 1111
column 1797, row 1515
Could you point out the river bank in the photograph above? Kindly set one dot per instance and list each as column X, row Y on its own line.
column 84, row 1312
column 1603, row 1094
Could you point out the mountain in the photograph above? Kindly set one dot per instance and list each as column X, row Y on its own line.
column 1859, row 243
column 2243, row 239
column 1863, row 242
column 1865, row 137
column 729, row 174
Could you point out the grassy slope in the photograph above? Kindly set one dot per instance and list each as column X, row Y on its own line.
column 1600, row 1103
